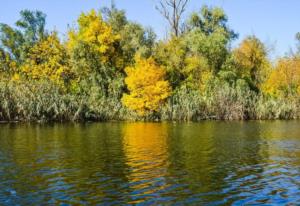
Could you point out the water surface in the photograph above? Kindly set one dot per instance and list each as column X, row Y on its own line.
column 209, row 163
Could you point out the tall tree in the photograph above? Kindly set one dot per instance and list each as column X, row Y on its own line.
column 93, row 51
column 209, row 35
column 210, row 20
column 172, row 11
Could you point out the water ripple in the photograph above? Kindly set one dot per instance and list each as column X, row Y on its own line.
column 210, row 163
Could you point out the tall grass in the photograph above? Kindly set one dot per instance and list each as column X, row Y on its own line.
column 43, row 101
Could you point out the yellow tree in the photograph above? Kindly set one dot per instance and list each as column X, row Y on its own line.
column 96, row 34
column 147, row 87
column 48, row 60
column 251, row 59
column 285, row 78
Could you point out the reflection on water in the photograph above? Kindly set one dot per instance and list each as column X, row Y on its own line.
column 145, row 150
column 214, row 163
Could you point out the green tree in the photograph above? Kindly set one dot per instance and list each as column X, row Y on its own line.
column 134, row 38
column 29, row 30
column 210, row 20
column 208, row 35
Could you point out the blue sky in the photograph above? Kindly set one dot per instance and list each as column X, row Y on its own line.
column 275, row 22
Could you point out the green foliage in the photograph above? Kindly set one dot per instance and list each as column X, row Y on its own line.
column 213, row 47
column 209, row 21
column 134, row 39
column 30, row 29
column 172, row 54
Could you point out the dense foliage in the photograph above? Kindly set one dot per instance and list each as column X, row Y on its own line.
column 109, row 68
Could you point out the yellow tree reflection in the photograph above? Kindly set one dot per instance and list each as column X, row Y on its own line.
column 145, row 148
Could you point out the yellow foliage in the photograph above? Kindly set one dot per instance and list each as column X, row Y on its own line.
column 172, row 53
column 251, row 57
column 285, row 78
column 196, row 68
column 206, row 76
column 8, row 66
column 16, row 77
column 96, row 33
column 148, row 89
column 46, row 60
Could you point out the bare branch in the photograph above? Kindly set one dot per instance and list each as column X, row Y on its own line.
column 172, row 11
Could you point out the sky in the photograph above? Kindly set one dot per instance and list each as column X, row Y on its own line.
column 275, row 22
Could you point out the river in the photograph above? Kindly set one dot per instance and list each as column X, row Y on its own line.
column 206, row 163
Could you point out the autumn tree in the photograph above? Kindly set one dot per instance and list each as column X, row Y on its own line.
column 251, row 60
column 93, row 51
column 172, row 54
column 172, row 11
column 96, row 35
column 147, row 87
column 284, row 80
column 8, row 67
column 48, row 60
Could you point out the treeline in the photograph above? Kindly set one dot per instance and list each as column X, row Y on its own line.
column 110, row 68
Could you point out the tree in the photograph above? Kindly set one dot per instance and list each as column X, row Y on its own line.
column 30, row 29
column 95, row 34
column 213, row 47
column 284, row 80
column 32, row 23
column 211, row 20
column 93, row 49
column 172, row 11
column 147, row 87
column 134, row 38
column 209, row 36
column 172, row 54
column 251, row 60
column 48, row 60
column 183, row 66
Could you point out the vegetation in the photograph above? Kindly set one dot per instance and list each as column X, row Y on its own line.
column 110, row 68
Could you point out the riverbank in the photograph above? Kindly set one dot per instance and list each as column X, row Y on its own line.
column 44, row 102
